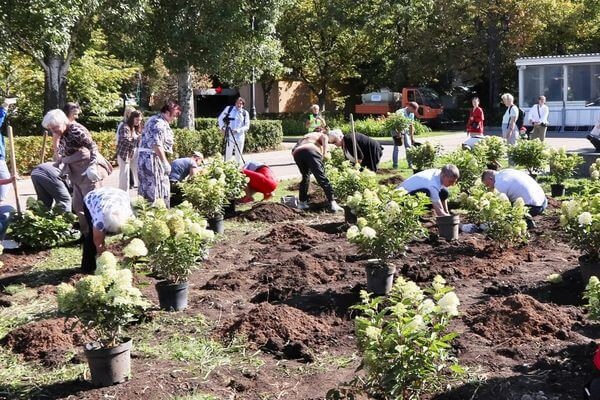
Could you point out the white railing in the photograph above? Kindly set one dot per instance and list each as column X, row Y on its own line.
column 572, row 118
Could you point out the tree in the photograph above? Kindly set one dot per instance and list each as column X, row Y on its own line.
column 54, row 32
column 323, row 42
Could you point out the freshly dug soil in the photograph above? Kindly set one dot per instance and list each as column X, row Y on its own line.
column 270, row 212
column 46, row 341
column 519, row 319
column 282, row 329
column 292, row 233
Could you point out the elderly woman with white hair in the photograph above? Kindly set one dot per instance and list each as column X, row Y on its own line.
column 106, row 211
column 510, row 131
column 368, row 150
column 82, row 162
column 308, row 155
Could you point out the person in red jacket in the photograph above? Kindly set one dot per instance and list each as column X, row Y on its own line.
column 261, row 180
column 475, row 121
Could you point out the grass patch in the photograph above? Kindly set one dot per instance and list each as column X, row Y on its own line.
column 24, row 310
column 189, row 341
column 23, row 380
column 60, row 258
column 323, row 363
column 12, row 290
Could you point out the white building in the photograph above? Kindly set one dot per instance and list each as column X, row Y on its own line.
column 570, row 83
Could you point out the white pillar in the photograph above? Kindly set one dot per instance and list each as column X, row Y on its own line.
column 521, row 85
column 565, row 93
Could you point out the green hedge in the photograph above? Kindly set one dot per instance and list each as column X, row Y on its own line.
column 375, row 128
column 263, row 135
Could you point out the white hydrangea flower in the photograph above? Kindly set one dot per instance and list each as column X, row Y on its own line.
column 195, row 228
column 438, row 283
column 352, row 232
column 411, row 290
column 368, row 232
column 416, row 324
column 554, row 278
column 135, row 248
column 372, row 332
column 503, row 197
column 585, row 218
column 449, row 303
column 595, row 174
column 392, row 206
column 427, row 307
column 106, row 260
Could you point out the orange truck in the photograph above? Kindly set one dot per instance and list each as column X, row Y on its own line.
column 380, row 103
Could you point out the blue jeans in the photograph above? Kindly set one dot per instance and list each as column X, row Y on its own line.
column 407, row 144
column 6, row 213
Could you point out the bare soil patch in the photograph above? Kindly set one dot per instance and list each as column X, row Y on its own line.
column 270, row 212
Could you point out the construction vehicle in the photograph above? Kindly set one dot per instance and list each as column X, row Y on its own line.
column 385, row 101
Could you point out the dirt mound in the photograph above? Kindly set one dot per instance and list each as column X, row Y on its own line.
column 284, row 330
column 46, row 341
column 270, row 212
column 392, row 180
column 519, row 319
column 297, row 275
column 293, row 234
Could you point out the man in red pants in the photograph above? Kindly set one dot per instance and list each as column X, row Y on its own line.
column 262, row 180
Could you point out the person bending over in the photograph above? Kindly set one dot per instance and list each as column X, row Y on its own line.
column 368, row 150
column 434, row 183
column 261, row 180
column 181, row 168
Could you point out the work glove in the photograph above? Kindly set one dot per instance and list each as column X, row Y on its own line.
column 92, row 173
column 166, row 167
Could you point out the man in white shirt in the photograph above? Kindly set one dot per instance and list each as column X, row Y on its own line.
column 238, row 121
column 517, row 184
column 434, row 183
column 538, row 117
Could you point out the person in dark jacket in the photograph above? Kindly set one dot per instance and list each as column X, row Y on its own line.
column 368, row 150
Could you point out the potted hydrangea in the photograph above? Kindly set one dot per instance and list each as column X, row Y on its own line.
column 406, row 340
column 580, row 218
column 562, row 167
column 529, row 154
column 103, row 304
column 349, row 179
column 490, row 151
column 235, row 181
column 176, row 239
column 208, row 196
column 388, row 221
column 423, row 157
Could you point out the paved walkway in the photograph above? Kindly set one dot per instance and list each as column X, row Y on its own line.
column 283, row 165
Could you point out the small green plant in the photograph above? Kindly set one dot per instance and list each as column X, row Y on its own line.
column 39, row 228
column 207, row 195
column 235, row 180
column 562, row 164
column 396, row 123
column 423, row 157
column 388, row 221
column 504, row 222
column 580, row 218
column 529, row 154
column 592, row 295
column 350, row 179
column 405, row 339
column 491, row 151
column 468, row 164
column 336, row 159
column 103, row 303
column 595, row 170
column 173, row 240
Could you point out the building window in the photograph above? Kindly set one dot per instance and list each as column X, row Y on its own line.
column 584, row 82
column 546, row 80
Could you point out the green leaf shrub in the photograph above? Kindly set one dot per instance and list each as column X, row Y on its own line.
column 504, row 222
column 423, row 157
column 388, row 220
column 529, row 154
column 38, row 228
column 349, row 179
column 104, row 302
column 235, row 179
column 175, row 238
column 491, row 151
column 207, row 195
column 580, row 218
column 405, row 339
column 468, row 164
column 592, row 295
column 562, row 164
column 383, row 127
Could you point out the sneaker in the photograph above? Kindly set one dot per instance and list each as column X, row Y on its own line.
column 303, row 205
column 334, row 207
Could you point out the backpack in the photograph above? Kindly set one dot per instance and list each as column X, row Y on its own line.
column 520, row 117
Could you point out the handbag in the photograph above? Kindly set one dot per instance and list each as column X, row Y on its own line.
column 474, row 125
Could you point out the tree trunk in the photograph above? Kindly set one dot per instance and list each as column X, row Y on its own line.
column 322, row 97
column 55, row 82
column 186, row 99
column 266, row 88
